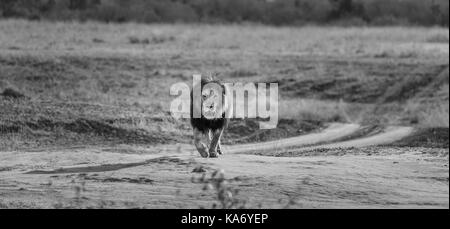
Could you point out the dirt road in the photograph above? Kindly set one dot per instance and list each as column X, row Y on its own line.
column 318, row 170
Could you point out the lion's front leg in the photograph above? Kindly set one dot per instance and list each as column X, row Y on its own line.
column 209, row 137
column 214, row 148
column 201, row 147
column 219, row 148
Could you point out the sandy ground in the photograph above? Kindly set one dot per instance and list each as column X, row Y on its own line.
column 325, row 173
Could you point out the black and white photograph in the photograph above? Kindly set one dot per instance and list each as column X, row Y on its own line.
column 224, row 104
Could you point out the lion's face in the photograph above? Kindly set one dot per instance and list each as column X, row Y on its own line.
column 212, row 101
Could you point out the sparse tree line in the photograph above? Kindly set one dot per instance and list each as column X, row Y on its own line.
column 276, row 12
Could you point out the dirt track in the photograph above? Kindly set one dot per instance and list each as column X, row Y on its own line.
column 325, row 173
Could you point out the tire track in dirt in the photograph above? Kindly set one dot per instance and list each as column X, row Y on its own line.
column 305, row 142
column 394, row 178
column 319, row 140
column 333, row 132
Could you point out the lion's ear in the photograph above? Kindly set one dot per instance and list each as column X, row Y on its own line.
column 209, row 77
column 216, row 75
column 213, row 76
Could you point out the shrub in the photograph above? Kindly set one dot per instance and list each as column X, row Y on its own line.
column 12, row 93
column 278, row 12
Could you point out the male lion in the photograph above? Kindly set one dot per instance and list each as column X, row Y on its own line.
column 209, row 116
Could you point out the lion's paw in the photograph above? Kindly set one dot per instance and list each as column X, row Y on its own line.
column 203, row 150
column 213, row 154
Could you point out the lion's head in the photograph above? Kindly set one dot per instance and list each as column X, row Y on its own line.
column 213, row 96
column 213, row 101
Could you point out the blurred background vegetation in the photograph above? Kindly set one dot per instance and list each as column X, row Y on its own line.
column 273, row 12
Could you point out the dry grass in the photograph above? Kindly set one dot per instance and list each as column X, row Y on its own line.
column 190, row 39
column 438, row 117
column 119, row 74
column 309, row 109
column 438, row 38
column 429, row 115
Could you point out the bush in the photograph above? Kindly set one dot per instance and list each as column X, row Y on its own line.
column 12, row 93
column 278, row 12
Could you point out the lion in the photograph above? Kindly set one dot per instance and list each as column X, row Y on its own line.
column 210, row 116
